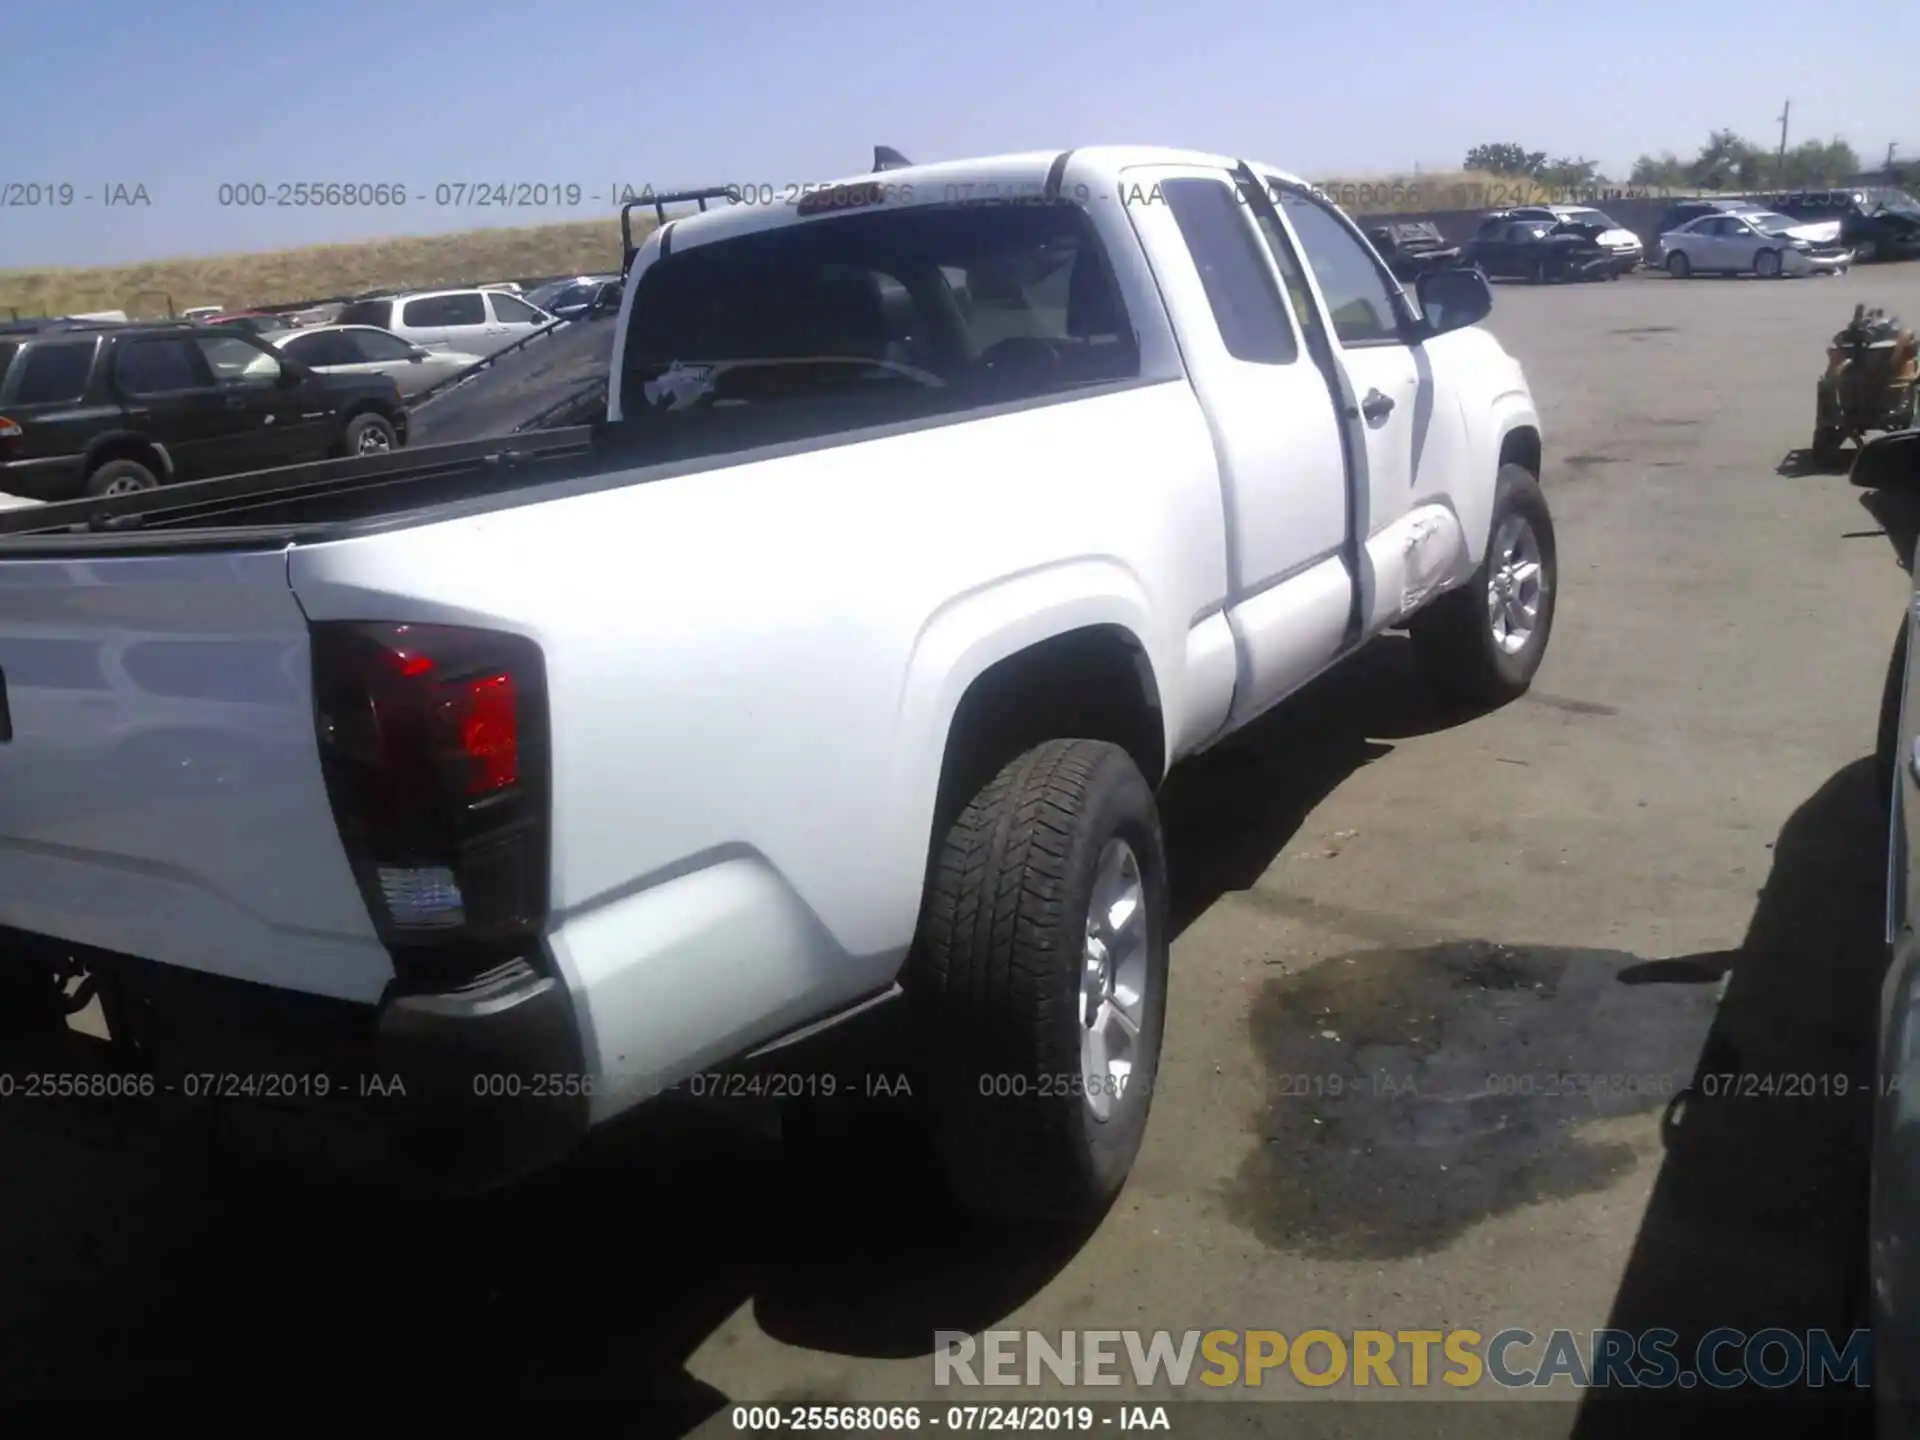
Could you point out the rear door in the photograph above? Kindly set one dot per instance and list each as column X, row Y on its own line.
column 424, row 320
column 1278, row 432
column 168, row 393
column 462, row 322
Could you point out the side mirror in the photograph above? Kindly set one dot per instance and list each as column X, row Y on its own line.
column 290, row 375
column 416, row 354
column 1888, row 462
column 1453, row 299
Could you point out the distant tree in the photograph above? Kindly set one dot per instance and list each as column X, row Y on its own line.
column 1505, row 160
column 1570, row 174
column 1729, row 162
column 1819, row 162
column 1666, row 171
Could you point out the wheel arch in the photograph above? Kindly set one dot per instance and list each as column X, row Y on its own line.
column 127, row 445
column 1081, row 668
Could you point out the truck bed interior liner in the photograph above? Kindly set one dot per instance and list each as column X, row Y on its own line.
column 359, row 494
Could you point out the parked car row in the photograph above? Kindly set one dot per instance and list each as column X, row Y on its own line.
column 1786, row 234
column 92, row 408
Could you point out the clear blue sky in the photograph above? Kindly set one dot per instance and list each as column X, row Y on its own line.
column 183, row 96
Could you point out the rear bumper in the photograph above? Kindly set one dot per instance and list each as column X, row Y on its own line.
column 458, row 1089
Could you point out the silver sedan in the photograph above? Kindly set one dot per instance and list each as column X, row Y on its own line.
column 1756, row 242
column 369, row 350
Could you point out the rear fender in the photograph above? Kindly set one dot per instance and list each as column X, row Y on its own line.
column 978, row 630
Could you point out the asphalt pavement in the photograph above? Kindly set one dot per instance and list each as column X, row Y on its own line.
column 1663, row 862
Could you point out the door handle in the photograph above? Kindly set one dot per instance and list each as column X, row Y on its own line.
column 1376, row 406
column 236, row 402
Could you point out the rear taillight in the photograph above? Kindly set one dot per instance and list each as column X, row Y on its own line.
column 433, row 741
column 9, row 429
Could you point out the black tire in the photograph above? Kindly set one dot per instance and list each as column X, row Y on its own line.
column 356, row 441
column 994, row 984
column 120, row 477
column 1825, row 449
column 1453, row 638
column 1537, row 272
column 1678, row 266
column 1766, row 265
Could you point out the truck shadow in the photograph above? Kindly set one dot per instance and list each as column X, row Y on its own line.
column 1230, row 811
column 140, row 1289
column 1757, row 1216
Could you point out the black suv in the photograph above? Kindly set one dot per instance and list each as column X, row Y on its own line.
column 1877, row 222
column 91, row 408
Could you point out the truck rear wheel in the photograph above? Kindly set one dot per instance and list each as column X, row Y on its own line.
column 1038, row 983
column 1482, row 643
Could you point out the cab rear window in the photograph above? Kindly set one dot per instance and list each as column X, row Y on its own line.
column 854, row 320
column 8, row 349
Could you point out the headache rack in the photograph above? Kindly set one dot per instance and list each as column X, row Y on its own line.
column 885, row 157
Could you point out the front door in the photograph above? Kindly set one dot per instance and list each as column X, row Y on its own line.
column 1287, row 492
column 277, row 422
column 1387, row 384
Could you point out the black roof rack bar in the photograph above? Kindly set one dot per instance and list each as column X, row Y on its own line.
column 885, row 157
column 659, row 203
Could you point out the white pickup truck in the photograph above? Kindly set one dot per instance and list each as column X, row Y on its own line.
column 933, row 519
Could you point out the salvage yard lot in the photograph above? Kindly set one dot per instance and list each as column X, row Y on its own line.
column 1665, row 858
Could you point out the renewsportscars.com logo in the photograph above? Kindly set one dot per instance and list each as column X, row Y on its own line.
column 1512, row 1358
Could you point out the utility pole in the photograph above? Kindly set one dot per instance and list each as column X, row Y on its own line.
column 1890, row 150
column 1780, row 164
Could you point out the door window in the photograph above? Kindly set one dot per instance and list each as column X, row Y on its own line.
column 52, row 374
column 511, row 310
column 156, row 367
column 1360, row 299
column 373, row 347
column 438, row 312
column 1246, row 304
column 324, row 347
column 239, row 362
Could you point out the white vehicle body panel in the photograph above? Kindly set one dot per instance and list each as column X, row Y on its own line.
column 162, row 791
column 752, row 665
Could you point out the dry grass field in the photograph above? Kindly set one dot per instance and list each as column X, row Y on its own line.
column 274, row 277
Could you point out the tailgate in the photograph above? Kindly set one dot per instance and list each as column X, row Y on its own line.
column 160, row 794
